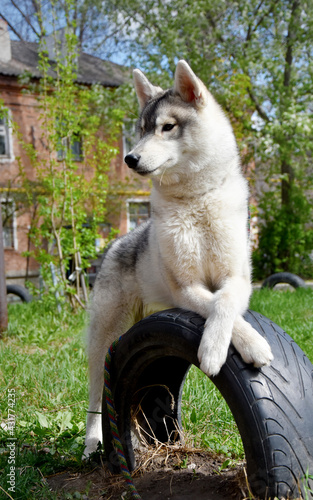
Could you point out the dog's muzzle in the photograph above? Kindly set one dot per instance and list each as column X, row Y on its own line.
column 132, row 160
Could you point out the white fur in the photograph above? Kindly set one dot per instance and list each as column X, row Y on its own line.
column 198, row 255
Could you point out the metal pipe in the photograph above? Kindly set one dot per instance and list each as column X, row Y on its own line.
column 3, row 288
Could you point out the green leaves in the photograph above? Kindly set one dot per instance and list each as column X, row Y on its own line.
column 285, row 235
column 80, row 126
column 42, row 420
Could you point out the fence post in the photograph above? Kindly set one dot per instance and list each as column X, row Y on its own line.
column 3, row 289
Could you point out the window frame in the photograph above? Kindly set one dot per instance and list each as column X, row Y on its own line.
column 138, row 201
column 7, row 133
column 66, row 144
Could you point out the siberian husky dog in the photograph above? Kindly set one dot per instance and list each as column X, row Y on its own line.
column 194, row 251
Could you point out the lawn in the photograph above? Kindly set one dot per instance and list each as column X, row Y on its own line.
column 42, row 358
column 43, row 384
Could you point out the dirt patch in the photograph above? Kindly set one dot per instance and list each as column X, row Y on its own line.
column 171, row 475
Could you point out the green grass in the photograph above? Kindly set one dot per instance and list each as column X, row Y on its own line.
column 42, row 359
column 207, row 419
column 292, row 310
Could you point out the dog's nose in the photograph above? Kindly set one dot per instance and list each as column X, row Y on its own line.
column 132, row 160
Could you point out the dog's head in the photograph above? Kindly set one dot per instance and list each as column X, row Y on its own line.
column 182, row 130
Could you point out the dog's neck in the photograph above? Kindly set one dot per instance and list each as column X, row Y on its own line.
column 197, row 184
column 182, row 190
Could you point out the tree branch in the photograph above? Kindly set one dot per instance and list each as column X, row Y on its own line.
column 11, row 27
column 258, row 107
column 266, row 14
column 25, row 17
column 253, row 98
column 291, row 37
column 37, row 7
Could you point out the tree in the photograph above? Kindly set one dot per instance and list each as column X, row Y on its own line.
column 256, row 56
column 71, row 188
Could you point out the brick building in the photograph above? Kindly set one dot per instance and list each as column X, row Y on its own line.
column 16, row 58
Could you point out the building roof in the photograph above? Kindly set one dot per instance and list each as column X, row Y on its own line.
column 91, row 70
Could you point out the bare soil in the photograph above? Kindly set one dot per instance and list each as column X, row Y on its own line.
column 173, row 475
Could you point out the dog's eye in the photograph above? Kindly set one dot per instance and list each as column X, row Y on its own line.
column 167, row 127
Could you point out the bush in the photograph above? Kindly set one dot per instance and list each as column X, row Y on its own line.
column 285, row 236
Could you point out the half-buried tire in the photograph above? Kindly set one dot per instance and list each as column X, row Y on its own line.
column 272, row 406
column 19, row 291
column 284, row 278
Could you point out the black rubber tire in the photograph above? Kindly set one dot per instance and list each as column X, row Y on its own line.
column 272, row 406
column 289, row 278
column 19, row 291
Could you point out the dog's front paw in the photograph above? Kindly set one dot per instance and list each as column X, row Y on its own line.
column 260, row 352
column 252, row 347
column 211, row 357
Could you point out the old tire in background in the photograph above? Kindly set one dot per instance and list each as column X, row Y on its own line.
column 19, row 291
column 272, row 406
column 288, row 278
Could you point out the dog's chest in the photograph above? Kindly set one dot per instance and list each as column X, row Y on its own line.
column 195, row 236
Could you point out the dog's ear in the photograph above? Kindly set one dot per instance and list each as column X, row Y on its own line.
column 144, row 89
column 188, row 85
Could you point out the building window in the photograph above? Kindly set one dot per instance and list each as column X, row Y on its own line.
column 8, row 223
column 72, row 145
column 137, row 213
column 4, row 138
